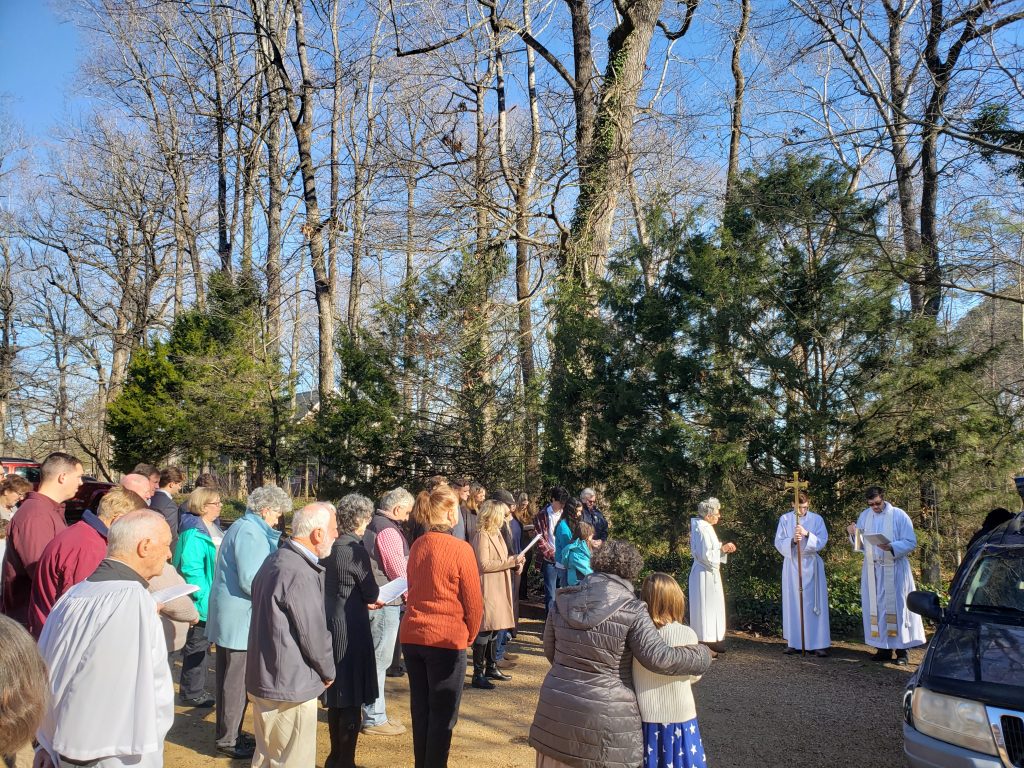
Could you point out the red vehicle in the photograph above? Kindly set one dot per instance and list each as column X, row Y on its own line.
column 88, row 495
column 27, row 468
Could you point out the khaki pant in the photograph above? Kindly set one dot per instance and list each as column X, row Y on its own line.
column 285, row 733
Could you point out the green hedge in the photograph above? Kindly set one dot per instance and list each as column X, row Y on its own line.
column 754, row 603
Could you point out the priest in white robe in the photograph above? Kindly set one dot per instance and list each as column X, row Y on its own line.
column 807, row 532
column 111, row 696
column 886, row 577
column 707, row 595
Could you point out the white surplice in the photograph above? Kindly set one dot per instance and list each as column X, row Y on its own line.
column 886, row 580
column 815, row 594
column 111, row 695
column 707, row 598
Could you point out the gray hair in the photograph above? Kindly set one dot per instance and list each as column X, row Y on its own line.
column 708, row 507
column 309, row 518
column 393, row 498
column 587, row 492
column 129, row 530
column 353, row 510
column 269, row 497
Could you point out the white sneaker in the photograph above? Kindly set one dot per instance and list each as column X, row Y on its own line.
column 384, row 729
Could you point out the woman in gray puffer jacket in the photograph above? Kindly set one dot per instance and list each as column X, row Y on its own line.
column 587, row 716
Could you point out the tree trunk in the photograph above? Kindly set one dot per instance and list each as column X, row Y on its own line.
column 739, row 87
column 299, row 105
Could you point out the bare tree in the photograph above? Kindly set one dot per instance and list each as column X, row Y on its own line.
column 297, row 101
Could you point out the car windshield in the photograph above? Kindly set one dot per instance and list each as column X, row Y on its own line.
column 996, row 586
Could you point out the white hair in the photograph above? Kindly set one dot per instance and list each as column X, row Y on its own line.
column 128, row 530
column 709, row 507
column 588, row 492
column 309, row 518
column 394, row 497
column 269, row 497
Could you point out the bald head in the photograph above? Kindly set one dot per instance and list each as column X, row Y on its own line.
column 139, row 484
column 142, row 541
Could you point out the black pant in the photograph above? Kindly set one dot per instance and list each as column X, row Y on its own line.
column 192, row 684
column 436, row 678
column 524, row 590
column 231, row 698
column 397, row 666
column 343, row 725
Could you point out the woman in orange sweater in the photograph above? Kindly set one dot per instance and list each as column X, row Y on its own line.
column 444, row 607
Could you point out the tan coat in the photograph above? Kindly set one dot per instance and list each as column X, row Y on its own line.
column 496, row 567
column 177, row 615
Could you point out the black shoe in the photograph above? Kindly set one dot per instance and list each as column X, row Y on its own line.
column 481, row 681
column 240, row 751
column 821, row 653
column 791, row 651
column 901, row 658
column 201, row 701
column 494, row 673
column 883, row 655
column 395, row 672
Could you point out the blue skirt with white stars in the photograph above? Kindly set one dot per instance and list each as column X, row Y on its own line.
column 675, row 745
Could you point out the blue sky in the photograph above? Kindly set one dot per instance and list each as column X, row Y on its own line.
column 38, row 55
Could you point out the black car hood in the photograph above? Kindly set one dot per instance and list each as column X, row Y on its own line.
column 980, row 661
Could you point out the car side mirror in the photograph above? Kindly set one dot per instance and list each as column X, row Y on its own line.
column 925, row 604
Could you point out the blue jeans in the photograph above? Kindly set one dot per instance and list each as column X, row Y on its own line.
column 561, row 578
column 503, row 637
column 384, row 629
column 547, row 571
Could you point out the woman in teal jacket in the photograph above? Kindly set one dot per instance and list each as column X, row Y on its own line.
column 249, row 541
column 577, row 553
column 195, row 557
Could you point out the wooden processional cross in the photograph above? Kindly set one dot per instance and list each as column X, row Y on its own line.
column 797, row 485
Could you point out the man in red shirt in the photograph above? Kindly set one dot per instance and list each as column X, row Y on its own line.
column 39, row 518
column 75, row 552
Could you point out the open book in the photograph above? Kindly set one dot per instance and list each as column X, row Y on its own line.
column 173, row 593
column 393, row 590
column 875, row 539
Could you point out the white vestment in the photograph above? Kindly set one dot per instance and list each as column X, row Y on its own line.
column 886, row 580
column 812, row 569
column 707, row 598
column 111, row 695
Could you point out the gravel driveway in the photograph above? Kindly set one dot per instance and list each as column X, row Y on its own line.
column 757, row 707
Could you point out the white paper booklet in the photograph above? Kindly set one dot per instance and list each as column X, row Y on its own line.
column 527, row 548
column 173, row 593
column 874, row 539
column 393, row 590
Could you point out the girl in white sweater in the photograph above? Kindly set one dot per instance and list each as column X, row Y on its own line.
column 671, row 736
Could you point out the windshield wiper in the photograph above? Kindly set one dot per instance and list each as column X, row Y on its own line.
column 1002, row 610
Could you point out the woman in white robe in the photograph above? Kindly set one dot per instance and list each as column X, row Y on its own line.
column 707, row 597
column 813, row 538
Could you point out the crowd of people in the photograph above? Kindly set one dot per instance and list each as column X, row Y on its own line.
column 411, row 585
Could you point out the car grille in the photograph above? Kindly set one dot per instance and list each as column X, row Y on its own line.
column 1013, row 737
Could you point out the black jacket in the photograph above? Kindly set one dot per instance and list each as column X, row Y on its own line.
column 349, row 587
column 587, row 715
column 165, row 505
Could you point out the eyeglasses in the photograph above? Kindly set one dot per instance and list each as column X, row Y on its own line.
column 216, row 503
column 876, row 504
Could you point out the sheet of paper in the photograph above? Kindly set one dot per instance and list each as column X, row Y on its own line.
column 527, row 548
column 393, row 590
column 875, row 539
column 173, row 593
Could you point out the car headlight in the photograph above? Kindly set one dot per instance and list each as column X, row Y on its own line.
column 957, row 721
